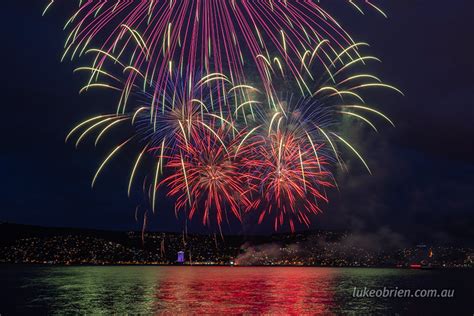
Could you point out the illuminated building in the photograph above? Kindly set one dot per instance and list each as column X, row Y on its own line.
column 180, row 257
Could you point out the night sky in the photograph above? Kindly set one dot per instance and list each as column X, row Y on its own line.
column 422, row 188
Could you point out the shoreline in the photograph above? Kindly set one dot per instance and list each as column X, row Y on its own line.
column 224, row 265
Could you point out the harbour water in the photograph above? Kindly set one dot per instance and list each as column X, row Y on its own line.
column 227, row 290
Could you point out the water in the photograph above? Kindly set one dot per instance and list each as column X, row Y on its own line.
column 225, row 290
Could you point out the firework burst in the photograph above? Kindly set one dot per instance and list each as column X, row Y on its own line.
column 288, row 178
column 207, row 176
column 218, row 36
column 214, row 139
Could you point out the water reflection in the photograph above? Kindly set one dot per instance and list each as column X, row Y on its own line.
column 256, row 290
column 218, row 290
column 95, row 290
column 201, row 289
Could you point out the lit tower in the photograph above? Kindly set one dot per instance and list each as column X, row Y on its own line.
column 180, row 257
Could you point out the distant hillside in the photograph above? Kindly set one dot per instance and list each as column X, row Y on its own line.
column 11, row 232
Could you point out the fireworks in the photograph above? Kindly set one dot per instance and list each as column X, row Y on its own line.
column 200, row 87
column 289, row 178
column 216, row 36
column 207, row 176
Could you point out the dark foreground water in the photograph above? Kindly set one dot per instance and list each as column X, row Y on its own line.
column 226, row 290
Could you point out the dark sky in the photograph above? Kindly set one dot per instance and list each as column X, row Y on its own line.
column 421, row 190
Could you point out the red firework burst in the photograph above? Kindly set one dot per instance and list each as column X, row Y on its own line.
column 290, row 178
column 207, row 176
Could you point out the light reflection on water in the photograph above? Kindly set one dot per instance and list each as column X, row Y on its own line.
column 221, row 290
